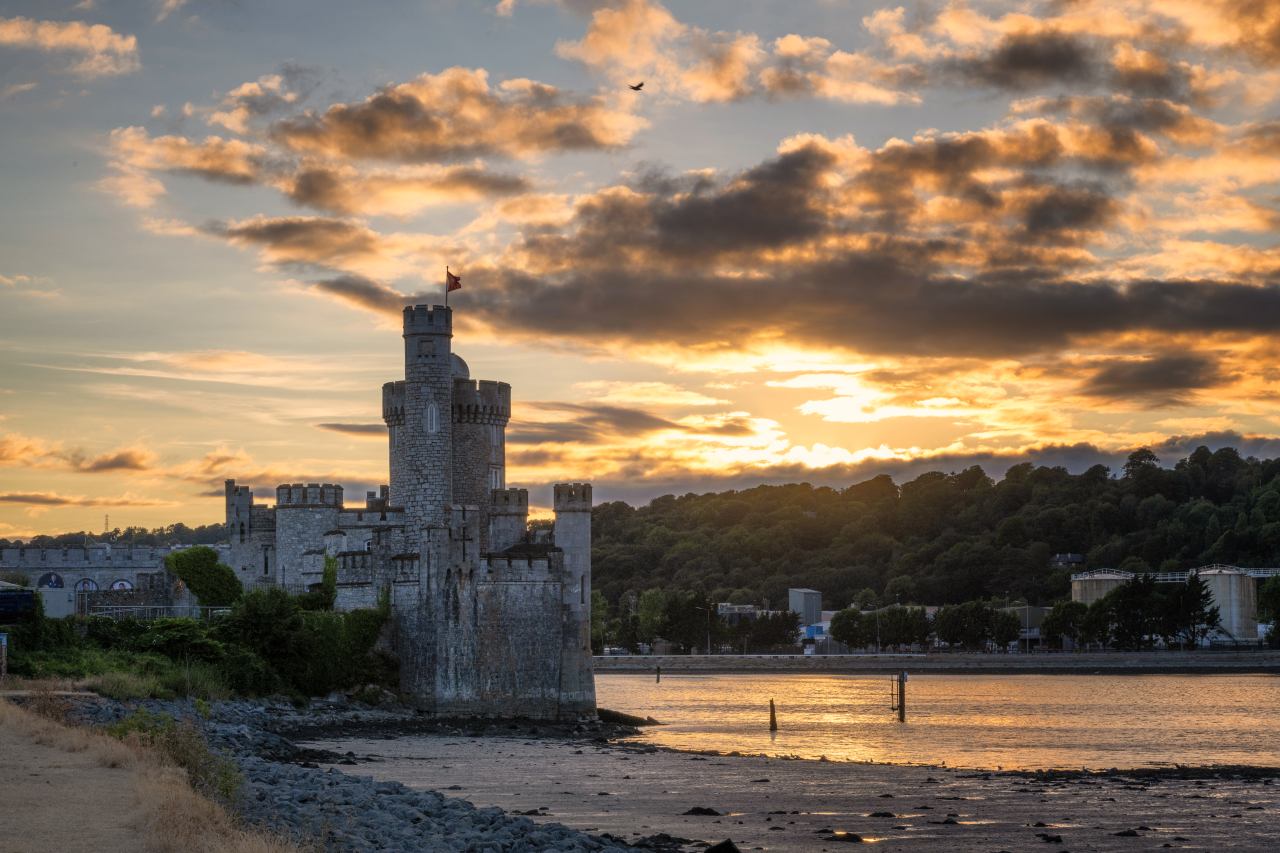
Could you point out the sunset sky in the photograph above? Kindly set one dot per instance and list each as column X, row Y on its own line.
column 828, row 239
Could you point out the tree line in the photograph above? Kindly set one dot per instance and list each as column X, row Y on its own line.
column 943, row 538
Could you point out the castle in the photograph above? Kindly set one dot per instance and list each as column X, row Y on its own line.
column 484, row 621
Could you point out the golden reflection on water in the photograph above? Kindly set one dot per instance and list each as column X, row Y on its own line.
column 978, row 721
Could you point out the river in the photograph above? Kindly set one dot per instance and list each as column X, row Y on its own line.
column 975, row 721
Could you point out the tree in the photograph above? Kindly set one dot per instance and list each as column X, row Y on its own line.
column 847, row 627
column 1098, row 625
column 651, row 610
column 1135, row 612
column 865, row 599
column 1006, row 627
column 599, row 619
column 213, row 583
column 968, row 625
column 1189, row 613
column 772, row 630
column 1064, row 620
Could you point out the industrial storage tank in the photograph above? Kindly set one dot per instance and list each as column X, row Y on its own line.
column 1088, row 587
column 1235, row 594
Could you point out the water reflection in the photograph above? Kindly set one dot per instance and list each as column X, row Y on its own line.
column 1009, row 721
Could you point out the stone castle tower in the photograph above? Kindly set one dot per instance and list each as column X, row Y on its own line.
column 485, row 622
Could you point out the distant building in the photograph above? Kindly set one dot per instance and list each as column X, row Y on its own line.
column 807, row 603
column 1066, row 561
column 736, row 614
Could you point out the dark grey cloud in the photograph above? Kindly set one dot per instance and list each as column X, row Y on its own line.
column 362, row 430
column 367, row 294
column 1030, row 60
column 1066, row 210
column 119, row 460
column 1163, row 380
column 50, row 499
column 587, row 423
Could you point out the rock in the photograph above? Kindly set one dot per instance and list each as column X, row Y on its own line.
column 1127, row 833
column 726, row 846
column 882, row 814
column 848, row 837
column 702, row 811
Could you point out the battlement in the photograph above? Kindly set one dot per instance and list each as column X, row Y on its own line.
column 509, row 502
column 311, row 494
column 500, row 569
column 481, row 401
column 393, row 403
column 572, row 497
column 428, row 320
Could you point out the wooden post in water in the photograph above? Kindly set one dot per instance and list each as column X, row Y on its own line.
column 773, row 717
column 658, row 679
column 902, row 696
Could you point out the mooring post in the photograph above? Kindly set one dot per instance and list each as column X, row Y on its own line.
column 773, row 717
column 658, row 674
column 902, row 696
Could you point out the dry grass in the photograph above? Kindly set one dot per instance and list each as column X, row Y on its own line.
column 175, row 818
column 18, row 683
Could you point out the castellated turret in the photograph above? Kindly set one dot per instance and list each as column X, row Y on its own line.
column 572, row 504
column 422, row 444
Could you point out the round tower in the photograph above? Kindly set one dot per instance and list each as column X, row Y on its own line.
column 481, row 411
column 417, row 412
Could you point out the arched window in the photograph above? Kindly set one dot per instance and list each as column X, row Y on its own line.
column 582, row 589
column 86, row 585
column 50, row 580
column 121, row 584
column 242, row 531
column 266, row 561
column 433, row 418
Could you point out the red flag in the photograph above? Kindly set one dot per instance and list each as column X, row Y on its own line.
column 451, row 282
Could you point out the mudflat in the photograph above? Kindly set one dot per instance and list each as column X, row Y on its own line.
column 792, row 805
column 53, row 801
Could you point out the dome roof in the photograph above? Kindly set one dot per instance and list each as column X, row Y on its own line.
column 460, row 369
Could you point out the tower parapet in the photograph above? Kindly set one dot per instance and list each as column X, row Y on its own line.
column 393, row 403
column 309, row 495
column 572, row 497
column 481, row 402
column 428, row 320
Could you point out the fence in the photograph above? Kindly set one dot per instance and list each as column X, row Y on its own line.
column 147, row 612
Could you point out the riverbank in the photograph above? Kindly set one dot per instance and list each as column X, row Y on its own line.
column 1260, row 662
column 635, row 791
column 406, row 782
column 285, row 791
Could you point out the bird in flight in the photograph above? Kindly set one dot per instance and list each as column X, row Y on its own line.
column 637, row 87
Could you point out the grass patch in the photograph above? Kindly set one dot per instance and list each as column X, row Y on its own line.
column 183, row 745
column 176, row 818
column 125, row 686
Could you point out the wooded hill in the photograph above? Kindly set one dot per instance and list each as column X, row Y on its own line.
column 944, row 538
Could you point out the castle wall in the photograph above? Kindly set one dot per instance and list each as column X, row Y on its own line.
column 304, row 514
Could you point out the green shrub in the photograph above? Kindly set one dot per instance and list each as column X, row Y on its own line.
column 322, row 598
column 215, row 584
column 15, row 578
column 179, row 639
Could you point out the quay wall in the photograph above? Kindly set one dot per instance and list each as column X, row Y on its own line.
column 1085, row 663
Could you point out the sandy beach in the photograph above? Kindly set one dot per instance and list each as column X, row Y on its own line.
column 790, row 805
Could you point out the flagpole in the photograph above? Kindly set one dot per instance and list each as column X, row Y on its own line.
column 446, row 287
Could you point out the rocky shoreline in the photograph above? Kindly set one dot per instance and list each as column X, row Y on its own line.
column 285, row 791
